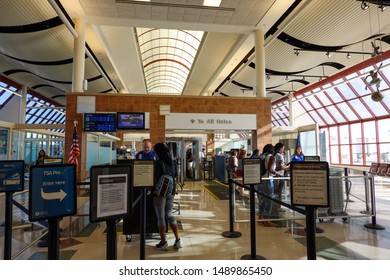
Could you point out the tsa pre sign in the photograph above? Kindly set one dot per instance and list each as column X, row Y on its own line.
column 52, row 191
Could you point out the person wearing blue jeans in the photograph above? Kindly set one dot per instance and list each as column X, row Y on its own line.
column 266, row 209
column 163, row 206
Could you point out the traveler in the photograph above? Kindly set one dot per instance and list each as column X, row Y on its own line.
column 163, row 205
column 266, row 205
column 282, row 168
column 147, row 152
column 41, row 156
column 298, row 155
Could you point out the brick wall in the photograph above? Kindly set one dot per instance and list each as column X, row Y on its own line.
column 179, row 104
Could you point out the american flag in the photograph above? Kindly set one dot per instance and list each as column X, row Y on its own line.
column 74, row 149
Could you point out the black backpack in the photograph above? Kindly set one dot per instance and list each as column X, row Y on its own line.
column 263, row 168
column 164, row 186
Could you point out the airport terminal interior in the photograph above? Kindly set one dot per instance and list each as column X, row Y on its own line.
column 317, row 73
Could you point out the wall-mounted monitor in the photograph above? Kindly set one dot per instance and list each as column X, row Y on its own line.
column 99, row 122
column 130, row 120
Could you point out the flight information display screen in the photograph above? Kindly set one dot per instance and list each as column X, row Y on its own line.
column 100, row 122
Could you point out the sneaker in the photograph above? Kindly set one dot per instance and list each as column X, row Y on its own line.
column 178, row 245
column 162, row 246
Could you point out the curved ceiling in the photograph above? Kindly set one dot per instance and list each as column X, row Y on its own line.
column 37, row 44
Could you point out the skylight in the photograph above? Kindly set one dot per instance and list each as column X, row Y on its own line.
column 167, row 56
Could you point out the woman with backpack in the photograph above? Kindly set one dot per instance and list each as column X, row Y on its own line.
column 163, row 205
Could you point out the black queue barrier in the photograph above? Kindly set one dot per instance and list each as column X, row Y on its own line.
column 252, row 255
column 8, row 226
column 231, row 233
column 373, row 224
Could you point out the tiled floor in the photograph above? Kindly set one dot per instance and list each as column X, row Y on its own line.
column 203, row 218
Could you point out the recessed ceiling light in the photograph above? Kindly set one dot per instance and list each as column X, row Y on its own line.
column 212, row 3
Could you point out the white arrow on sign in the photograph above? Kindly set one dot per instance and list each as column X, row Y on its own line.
column 53, row 195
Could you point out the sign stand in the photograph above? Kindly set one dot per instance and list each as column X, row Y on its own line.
column 143, row 172
column 8, row 226
column 52, row 196
column 11, row 180
column 111, row 240
column 54, row 238
column 310, row 233
column 309, row 183
column 142, row 224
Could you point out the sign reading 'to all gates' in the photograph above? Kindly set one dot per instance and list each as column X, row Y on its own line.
column 52, row 191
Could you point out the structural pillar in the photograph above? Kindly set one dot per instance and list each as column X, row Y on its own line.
column 16, row 150
column 260, row 63
column 291, row 109
column 79, row 57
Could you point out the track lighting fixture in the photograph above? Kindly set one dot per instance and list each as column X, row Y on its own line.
column 268, row 77
column 364, row 6
column 286, row 78
column 382, row 7
column 330, row 52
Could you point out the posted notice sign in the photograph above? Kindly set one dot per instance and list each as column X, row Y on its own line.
column 143, row 173
column 251, row 170
column 309, row 183
column 111, row 193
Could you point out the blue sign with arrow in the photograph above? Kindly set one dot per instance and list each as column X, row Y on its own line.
column 11, row 175
column 52, row 191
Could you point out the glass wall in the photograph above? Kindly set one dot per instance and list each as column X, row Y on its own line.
column 357, row 128
column 4, row 132
column 100, row 150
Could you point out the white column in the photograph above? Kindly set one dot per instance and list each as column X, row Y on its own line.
column 79, row 57
column 260, row 63
column 22, row 104
column 291, row 109
column 17, row 143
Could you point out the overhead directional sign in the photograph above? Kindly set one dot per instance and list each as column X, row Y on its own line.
column 52, row 191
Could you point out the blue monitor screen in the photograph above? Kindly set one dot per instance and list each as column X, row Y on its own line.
column 130, row 120
column 100, row 122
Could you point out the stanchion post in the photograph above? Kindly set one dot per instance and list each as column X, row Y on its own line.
column 54, row 239
column 231, row 233
column 373, row 225
column 142, row 225
column 347, row 190
column 367, row 191
column 8, row 226
column 111, row 240
column 310, row 233
column 252, row 255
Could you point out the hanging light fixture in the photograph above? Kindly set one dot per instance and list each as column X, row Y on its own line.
column 382, row 7
column 348, row 55
column 328, row 54
column 377, row 96
column 296, row 52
